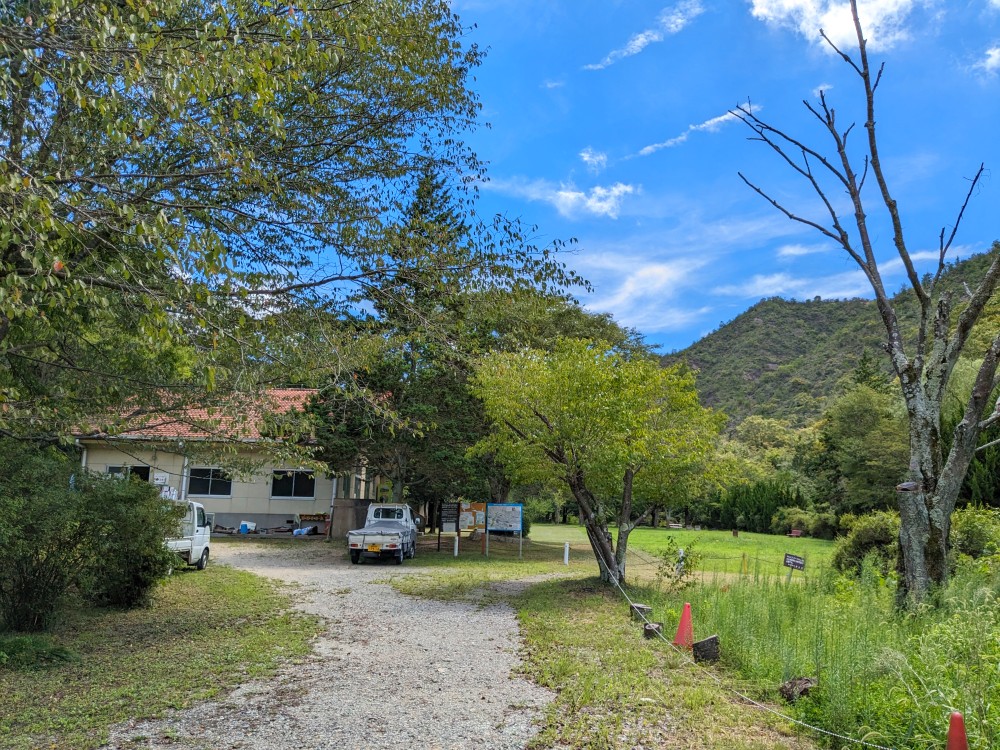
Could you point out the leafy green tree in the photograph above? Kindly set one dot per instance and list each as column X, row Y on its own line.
column 195, row 195
column 602, row 421
column 864, row 450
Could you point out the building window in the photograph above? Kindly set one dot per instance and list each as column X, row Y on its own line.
column 204, row 480
column 142, row 472
column 286, row 483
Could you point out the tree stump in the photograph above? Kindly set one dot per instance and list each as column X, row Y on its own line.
column 652, row 629
column 706, row 650
column 641, row 611
column 792, row 690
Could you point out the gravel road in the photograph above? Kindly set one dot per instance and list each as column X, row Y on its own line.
column 423, row 673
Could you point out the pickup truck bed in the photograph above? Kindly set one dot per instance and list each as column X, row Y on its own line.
column 393, row 537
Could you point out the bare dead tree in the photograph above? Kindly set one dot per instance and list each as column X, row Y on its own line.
column 923, row 365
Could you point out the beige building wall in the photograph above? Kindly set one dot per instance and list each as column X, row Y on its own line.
column 249, row 499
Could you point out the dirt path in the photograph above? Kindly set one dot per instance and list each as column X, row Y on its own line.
column 390, row 671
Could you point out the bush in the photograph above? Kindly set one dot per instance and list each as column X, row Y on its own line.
column 787, row 519
column 62, row 529
column 128, row 521
column 975, row 532
column 874, row 534
column 41, row 533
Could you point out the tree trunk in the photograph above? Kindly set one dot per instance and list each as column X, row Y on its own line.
column 625, row 523
column 597, row 529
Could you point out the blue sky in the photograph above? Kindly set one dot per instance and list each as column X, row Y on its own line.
column 608, row 124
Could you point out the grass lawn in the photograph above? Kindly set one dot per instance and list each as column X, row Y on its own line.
column 720, row 551
column 206, row 631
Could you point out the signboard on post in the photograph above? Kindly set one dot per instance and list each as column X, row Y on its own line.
column 449, row 518
column 505, row 517
column 795, row 562
column 472, row 516
column 448, row 523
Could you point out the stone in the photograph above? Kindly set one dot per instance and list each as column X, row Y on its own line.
column 706, row 650
column 652, row 629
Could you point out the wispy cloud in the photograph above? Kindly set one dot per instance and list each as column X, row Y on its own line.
column 838, row 286
column 797, row 251
column 884, row 21
column 670, row 21
column 553, row 84
column 596, row 161
column 644, row 293
column 991, row 62
column 709, row 126
column 569, row 201
column 823, row 87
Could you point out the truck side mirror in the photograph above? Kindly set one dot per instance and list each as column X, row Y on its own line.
column 418, row 521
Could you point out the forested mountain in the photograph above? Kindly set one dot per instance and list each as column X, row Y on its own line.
column 784, row 359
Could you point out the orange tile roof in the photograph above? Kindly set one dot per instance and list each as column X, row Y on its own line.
column 224, row 420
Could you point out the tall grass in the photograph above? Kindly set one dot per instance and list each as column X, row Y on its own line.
column 887, row 677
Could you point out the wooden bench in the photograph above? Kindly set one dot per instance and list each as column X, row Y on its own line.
column 794, row 532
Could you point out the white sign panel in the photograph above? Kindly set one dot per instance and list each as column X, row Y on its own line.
column 504, row 516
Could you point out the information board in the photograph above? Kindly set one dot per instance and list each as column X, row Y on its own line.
column 449, row 517
column 472, row 516
column 504, row 516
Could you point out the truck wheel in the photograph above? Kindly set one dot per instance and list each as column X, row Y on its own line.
column 399, row 557
column 355, row 556
column 412, row 551
column 203, row 560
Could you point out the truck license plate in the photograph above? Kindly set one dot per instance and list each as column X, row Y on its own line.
column 373, row 548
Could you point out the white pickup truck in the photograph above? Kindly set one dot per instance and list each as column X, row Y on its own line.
column 390, row 531
column 194, row 536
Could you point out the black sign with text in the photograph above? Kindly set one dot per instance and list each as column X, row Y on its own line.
column 795, row 562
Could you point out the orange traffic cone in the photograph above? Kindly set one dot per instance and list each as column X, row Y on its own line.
column 685, row 633
column 956, row 733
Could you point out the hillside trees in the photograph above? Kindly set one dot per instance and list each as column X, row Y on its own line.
column 179, row 180
column 612, row 428
column 923, row 363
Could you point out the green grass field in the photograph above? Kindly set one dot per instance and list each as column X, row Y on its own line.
column 720, row 551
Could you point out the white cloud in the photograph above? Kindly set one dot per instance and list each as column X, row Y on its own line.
column 595, row 160
column 709, row 126
column 882, row 20
column 566, row 198
column 838, row 286
column 822, row 88
column 640, row 290
column 991, row 63
column 671, row 21
column 553, row 84
column 796, row 251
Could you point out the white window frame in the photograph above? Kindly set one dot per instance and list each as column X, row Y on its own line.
column 293, row 472
column 187, row 484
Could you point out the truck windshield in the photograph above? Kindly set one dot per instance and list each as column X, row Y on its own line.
column 389, row 513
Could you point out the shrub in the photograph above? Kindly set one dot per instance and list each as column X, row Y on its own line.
column 787, row 519
column 975, row 532
column 873, row 534
column 41, row 533
column 127, row 522
column 823, row 525
column 61, row 529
